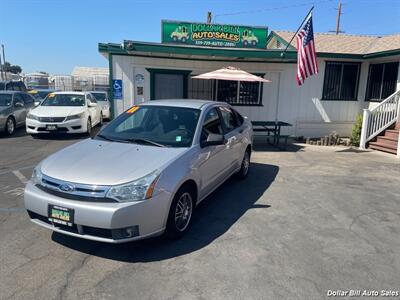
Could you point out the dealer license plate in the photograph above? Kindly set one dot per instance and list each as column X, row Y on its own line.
column 61, row 215
column 51, row 127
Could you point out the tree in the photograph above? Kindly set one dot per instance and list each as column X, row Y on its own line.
column 15, row 69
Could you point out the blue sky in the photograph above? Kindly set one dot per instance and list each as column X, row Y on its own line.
column 56, row 35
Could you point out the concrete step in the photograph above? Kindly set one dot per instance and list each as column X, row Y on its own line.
column 385, row 140
column 383, row 147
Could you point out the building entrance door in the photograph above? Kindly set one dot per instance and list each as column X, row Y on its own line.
column 168, row 86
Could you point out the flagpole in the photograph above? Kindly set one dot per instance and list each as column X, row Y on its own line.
column 301, row 24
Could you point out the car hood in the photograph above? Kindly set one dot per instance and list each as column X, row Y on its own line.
column 107, row 163
column 57, row 111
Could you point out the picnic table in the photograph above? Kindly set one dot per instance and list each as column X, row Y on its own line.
column 272, row 128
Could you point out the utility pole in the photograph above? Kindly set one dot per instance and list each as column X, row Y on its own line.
column 1, row 69
column 4, row 56
column 209, row 17
column 338, row 17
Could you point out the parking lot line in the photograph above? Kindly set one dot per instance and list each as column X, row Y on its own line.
column 20, row 176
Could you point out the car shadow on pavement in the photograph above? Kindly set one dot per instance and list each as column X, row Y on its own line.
column 213, row 217
column 19, row 132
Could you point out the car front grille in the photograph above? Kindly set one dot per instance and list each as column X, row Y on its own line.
column 51, row 119
column 75, row 191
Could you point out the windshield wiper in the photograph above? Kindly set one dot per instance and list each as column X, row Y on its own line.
column 110, row 139
column 145, row 141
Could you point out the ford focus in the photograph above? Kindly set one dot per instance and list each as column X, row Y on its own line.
column 143, row 174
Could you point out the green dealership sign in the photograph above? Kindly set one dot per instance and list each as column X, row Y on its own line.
column 214, row 35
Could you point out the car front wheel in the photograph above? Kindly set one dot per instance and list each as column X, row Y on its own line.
column 180, row 213
column 10, row 126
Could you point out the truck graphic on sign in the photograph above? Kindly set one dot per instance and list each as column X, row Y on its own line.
column 180, row 34
column 248, row 38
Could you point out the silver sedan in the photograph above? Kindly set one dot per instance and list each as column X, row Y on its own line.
column 143, row 174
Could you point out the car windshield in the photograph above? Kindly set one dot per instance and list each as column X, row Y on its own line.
column 5, row 99
column 154, row 125
column 99, row 96
column 64, row 100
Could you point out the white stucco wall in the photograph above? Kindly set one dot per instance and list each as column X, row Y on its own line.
column 300, row 106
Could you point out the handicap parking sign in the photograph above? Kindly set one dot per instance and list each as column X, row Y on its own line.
column 117, row 88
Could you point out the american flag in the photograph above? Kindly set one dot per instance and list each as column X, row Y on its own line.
column 306, row 55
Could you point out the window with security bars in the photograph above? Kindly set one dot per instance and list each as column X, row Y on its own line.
column 233, row 92
column 341, row 81
column 239, row 93
column 382, row 81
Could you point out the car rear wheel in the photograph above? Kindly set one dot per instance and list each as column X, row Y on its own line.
column 10, row 126
column 180, row 213
column 244, row 169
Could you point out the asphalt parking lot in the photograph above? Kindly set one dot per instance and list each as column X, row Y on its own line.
column 305, row 221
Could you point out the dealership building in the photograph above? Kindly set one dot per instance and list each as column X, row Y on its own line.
column 355, row 72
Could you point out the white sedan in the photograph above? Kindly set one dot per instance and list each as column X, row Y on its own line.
column 65, row 112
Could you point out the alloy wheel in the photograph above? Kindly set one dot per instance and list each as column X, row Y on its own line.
column 183, row 211
column 10, row 126
column 246, row 163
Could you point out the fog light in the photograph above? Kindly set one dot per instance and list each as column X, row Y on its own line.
column 125, row 233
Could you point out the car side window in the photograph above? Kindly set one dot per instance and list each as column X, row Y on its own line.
column 212, row 124
column 228, row 118
column 18, row 99
column 27, row 99
column 239, row 118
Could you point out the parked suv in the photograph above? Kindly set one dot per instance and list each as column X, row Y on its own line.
column 12, row 85
column 14, row 106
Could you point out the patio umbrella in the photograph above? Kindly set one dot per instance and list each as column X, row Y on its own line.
column 231, row 73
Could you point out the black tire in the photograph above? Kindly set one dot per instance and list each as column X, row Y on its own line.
column 10, row 126
column 245, row 166
column 101, row 120
column 183, row 40
column 245, row 43
column 253, row 43
column 89, row 127
column 176, row 229
column 34, row 135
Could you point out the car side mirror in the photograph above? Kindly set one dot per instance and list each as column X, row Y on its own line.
column 92, row 104
column 212, row 140
column 37, row 103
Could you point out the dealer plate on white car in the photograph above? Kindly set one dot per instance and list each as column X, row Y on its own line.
column 51, row 127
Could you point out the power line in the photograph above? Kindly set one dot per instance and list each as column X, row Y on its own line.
column 271, row 9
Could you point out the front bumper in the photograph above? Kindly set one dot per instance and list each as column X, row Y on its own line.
column 98, row 220
column 72, row 126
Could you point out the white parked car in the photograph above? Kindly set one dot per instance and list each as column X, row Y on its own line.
column 103, row 102
column 66, row 112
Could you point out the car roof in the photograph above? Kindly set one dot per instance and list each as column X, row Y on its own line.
column 187, row 103
column 11, row 92
column 70, row 93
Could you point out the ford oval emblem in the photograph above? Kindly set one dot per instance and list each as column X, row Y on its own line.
column 65, row 187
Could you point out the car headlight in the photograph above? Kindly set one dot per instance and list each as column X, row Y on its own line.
column 32, row 117
column 136, row 190
column 74, row 117
column 37, row 175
